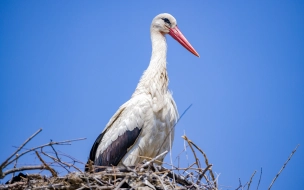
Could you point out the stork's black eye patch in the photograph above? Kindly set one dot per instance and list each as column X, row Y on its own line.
column 167, row 21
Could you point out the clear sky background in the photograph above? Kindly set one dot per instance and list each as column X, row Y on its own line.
column 66, row 67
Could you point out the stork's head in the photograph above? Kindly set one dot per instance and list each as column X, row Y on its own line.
column 166, row 24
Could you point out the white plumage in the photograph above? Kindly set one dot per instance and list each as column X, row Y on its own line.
column 141, row 126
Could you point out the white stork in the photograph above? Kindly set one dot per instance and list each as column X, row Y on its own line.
column 141, row 126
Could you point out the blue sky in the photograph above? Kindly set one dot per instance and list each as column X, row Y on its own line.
column 66, row 67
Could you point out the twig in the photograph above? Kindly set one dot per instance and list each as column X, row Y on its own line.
column 15, row 166
column 157, row 161
column 196, row 159
column 114, row 174
column 61, row 163
column 121, row 183
column 216, row 179
column 204, row 171
column 239, row 185
column 57, row 161
column 147, row 163
column 259, row 179
column 245, row 185
column 4, row 164
column 179, row 179
column 48, row 144
column 161, row 181
column 72, row 158
column 203, row 153
column 130, row 169
column 55, row 152
column 98, row 181
column 188, row 168
column 12, row 186
column 88, row 183
column 283, row 166
column 46, row 166
column 205, row 156
column 40, row 167
column 146, row 182
column 155, row 167
column 251, row 179
column 52, row 186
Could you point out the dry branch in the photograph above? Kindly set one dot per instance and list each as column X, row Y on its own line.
column 15, row 166
column 205, row 156
column 5, row 163
column 251, row 179
column 259, row 179
column 24, row 168
column 46, row 166
column 10, row 159
column 283, row 166
column 66, row 142
column 149, row 162
column 239, row 185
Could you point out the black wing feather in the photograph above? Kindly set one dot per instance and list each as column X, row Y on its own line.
column 116, row 150
column 94, row 149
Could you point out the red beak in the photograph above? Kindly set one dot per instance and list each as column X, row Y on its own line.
column 178, row 36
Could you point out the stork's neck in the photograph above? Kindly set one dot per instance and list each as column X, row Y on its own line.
column 155, row 77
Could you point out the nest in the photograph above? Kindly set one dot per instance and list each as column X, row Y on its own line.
column 150, row 177
column 146, row 175
column 149, row 174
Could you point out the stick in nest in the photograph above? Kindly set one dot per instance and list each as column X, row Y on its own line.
column 61, row 163
column 46, row 166
column 4, row 164
column 205, row 156
column 10, row 159
column 147, row 163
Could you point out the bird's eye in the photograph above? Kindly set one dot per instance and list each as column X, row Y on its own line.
column 167, row 21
